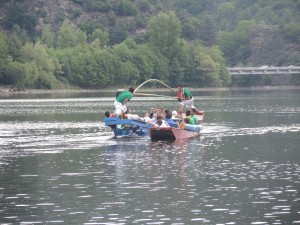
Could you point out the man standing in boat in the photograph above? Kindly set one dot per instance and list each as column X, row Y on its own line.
column 121, row 100
column 185, row 98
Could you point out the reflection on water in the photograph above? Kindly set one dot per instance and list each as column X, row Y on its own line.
column 59, row 164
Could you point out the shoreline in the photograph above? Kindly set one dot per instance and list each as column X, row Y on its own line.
column 8, row 91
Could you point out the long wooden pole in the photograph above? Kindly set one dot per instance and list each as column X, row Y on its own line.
column 154, row 95
column 142, row 84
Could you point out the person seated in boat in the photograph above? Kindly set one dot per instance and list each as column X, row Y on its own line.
column 121, row 100
column 170, row 121
column 153, row 119
column 151, row 114
column 165, row 112
column 159, row 122
column 108, row 114
column 183, row 123
column 146, row 117
column 188, row 115
column 175, row 115
column 160, row 111
column 156, row 112
column 194, row 116
column 168, row 112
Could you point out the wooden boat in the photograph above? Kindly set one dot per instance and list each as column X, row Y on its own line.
column 170, row 133
column 133, row 126
column 127, row 127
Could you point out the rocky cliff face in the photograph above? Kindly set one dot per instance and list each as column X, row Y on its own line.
column 269, row 47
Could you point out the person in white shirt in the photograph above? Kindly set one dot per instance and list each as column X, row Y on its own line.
column 160, row 122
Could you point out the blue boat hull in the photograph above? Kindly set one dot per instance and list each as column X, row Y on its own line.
column 127, row 127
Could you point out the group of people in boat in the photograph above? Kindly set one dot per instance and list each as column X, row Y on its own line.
column 160, row 117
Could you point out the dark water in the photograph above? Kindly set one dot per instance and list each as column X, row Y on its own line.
column 60, row 165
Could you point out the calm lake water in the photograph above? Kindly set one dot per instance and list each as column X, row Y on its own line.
column 60, row 165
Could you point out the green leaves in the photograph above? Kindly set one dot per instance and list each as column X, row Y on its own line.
column 236, row 44
column 126, row 8
column 68, row 36
column 165, row 34
column 99, row 36
column 3, row 52
column 47, row 37
column 21, row 74
column 210, row 67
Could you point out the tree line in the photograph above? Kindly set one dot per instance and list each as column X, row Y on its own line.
column 73, row 56
column 75, row 37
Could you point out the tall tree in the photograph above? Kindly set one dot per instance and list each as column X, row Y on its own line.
column 186, row 62
column 21, row 75
column 3, row 53
column 3, row 44
column 38, row 55
column 165, row 34
column 68, row 36
column 101, row 36
column 16, row 40
column 47, row 37
column 215, row 53
column 226, row 16
column 208, row 30
column 207, row 70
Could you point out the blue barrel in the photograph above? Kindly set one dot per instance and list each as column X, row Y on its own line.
column 191, row 127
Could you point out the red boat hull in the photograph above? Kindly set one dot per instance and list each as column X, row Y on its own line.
column 169, row 133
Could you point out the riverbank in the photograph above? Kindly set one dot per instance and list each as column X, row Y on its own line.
column 9, row 91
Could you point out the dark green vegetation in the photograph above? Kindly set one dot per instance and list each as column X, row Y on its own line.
column 100, row 43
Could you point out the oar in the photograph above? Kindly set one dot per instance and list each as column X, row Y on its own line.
column 142, row 84
column 154, row 95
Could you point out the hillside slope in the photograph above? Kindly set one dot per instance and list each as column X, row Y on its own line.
column 273, row 38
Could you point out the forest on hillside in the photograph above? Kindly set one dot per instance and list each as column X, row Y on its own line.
column 101, row 43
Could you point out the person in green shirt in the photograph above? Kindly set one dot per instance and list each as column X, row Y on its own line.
column 188, row 115
column 121, row 99
column 194, row 116
column 185, row 98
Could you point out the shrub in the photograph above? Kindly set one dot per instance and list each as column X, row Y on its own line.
column 126, row 8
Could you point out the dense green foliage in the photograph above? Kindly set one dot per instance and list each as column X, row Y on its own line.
column 86, row 61
column 100, row 43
